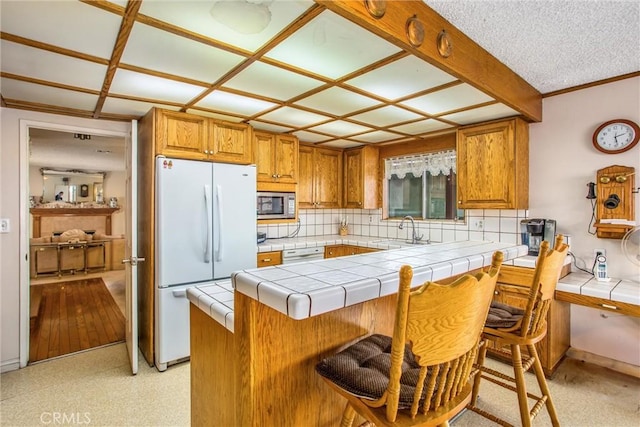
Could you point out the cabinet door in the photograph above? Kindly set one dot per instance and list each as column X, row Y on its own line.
column 361, row 178
column 334, row 251
column 492, row 166
column 286, row 158
column 181, row 135
column 265, row 156
column 306, row 177
column 328, row 174
column 230, row 143
column 353, row 179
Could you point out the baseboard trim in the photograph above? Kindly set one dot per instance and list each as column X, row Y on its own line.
column 605, row 362
column 12, row 365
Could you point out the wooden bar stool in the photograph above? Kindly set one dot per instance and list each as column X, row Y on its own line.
column 523, row 328
column 423, row 374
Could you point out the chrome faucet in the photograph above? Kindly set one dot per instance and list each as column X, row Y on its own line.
column 414, row 236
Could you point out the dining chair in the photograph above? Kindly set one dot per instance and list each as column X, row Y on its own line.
column 523, row 328
column 422, row 374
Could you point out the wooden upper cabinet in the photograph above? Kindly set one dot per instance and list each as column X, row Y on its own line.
column 493, row 165
column 320, row 178
column 189, row 136
column 230, row 142
column 361, row 166
column 181, row 135
column 276, row 157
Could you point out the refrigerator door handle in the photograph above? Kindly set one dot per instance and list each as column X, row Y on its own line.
column 179, row 294
column 219, row 216
column 207, row 204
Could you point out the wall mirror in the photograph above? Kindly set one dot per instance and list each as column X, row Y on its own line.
column 72, row 186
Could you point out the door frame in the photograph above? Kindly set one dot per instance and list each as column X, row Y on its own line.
column 25, row 280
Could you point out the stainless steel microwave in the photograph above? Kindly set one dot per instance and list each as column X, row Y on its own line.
column 272, row 205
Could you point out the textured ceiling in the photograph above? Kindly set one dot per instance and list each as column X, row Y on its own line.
column 556, row 44
column 310, row 73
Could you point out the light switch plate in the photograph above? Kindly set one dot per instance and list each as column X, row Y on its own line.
column 5, row 225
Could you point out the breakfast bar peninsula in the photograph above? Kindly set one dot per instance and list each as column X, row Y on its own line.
column 255, row 340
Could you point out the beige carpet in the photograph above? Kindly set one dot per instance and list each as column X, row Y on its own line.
column 584, row 395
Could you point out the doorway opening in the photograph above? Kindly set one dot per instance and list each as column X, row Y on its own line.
column 74, row 282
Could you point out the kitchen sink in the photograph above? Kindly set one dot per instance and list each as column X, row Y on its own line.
column 401, row 242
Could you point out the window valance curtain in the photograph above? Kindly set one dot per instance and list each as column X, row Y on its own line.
column 438, row 163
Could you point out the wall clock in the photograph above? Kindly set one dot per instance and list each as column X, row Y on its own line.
column 616, row 136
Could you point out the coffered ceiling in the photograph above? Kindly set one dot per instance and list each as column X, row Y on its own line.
column 310, row 72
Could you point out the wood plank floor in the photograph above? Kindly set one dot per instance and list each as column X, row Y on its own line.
column 74, row 316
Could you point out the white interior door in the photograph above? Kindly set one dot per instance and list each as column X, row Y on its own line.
column 131, row 248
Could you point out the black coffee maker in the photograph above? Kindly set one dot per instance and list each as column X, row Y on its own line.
column 534, row 231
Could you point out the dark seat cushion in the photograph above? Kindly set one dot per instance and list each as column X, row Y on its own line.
column 503, row 315
column 363, row 369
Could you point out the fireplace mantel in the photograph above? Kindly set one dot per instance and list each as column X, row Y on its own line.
column 49, row 220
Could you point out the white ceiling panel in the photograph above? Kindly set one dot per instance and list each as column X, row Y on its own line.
column 127, row 106
column 337, row 101
column 342, row 143
column 421, row 127
column 377, row 136
column 151, row 87
column 269, row 127
column 225, row 101
column 30, row 62
column 69, row 24
column 195, row 16
column 293, row 117
column 15, row 89
column 340, row 128
column 448, row 99
column 305, row 136
column 331, row 46
column 149, row 48
column 386, row 116
column 401, row 78
column 273, row 82
column 217, row 116
column 489, row 112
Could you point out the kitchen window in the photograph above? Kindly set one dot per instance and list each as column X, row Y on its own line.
column 423, row 186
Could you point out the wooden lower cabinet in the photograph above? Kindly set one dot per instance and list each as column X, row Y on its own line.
column 513, row 289
column 266, row 259
column 333, row 251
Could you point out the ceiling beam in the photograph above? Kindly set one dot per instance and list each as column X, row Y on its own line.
column 126, row 26
column 468, row 61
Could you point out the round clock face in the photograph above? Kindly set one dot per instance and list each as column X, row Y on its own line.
column 616, row 136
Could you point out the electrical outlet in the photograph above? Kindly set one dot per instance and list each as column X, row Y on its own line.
column 479, row 225
column 370, row 219
column 5, row 225
column 599, row 251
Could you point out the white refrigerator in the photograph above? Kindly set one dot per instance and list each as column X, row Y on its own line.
column 205, row 230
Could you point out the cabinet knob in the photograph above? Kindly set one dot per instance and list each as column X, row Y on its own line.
column 496, row 292
column 266, row 260
column 277, row 176
column 459, row 201
column 273, row 176
column 359, row 203
column 206, row 151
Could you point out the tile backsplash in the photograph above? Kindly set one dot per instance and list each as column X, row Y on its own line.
column 479, row 224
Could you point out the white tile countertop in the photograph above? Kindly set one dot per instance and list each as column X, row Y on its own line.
column 627, row 291
column 306, row 289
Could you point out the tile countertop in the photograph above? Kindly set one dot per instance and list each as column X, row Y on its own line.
column 627, row 291
column 306, row 289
